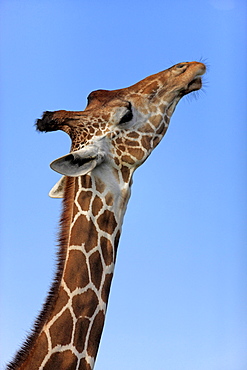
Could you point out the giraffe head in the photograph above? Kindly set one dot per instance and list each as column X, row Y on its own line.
column 120, row 128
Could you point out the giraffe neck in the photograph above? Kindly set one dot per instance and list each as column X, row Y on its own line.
column 74, row 316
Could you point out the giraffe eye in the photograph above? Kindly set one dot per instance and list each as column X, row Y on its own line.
column 127, row 117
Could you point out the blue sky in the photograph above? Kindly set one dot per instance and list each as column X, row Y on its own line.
column 178, row 299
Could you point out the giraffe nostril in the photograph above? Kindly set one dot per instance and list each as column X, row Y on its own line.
column 181, row 65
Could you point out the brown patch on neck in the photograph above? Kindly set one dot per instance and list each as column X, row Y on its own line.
column 61, row 360
column 84, row 231
column 86, row 182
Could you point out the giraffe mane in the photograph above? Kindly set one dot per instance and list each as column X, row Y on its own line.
column 48, row 305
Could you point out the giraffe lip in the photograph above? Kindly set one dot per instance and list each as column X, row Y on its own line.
column 197, row 81
column 193, row 85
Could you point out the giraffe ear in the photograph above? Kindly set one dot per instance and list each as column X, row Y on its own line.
column 77, row 163
column 58, row 189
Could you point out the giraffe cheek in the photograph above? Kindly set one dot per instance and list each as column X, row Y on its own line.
column 138, row 153
column 134, row 158
column 155, row 120
column 146, row 141
column 128, row 160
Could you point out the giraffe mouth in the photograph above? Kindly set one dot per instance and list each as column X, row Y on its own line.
column 193, row 85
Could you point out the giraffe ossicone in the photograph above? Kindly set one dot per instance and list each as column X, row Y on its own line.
column 112, row 137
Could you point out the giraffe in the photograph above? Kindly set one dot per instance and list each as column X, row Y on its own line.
column 113, row 136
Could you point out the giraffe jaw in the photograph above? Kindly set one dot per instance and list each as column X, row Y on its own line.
column 193, row 85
